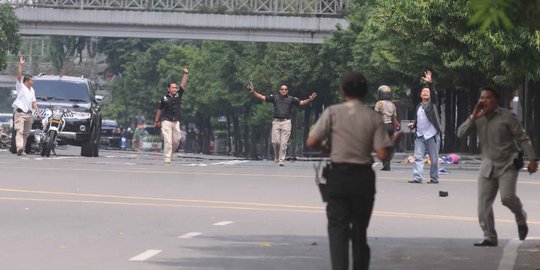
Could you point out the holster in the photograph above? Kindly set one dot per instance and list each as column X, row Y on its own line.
column 518, row 162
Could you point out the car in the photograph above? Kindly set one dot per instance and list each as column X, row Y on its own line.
column 110, row 134
column 147, row 138
column 6, row 121
column 83, row 120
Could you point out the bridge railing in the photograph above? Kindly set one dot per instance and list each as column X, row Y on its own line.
column 270, row 7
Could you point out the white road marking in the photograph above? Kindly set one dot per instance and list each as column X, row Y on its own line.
column 230, row 162
column 509, row 255
column 189, row 235
column 196, row 164
column 223, row 223
column 145, row 255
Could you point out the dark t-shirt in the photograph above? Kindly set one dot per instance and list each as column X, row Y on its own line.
column 170, row 106
column 282, row 105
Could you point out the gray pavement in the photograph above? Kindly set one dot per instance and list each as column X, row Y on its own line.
column 127, row 210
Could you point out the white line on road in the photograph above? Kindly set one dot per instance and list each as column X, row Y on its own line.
column 509, row 255
column 223, row 223
column 189, row 235
column 231, row 162
column 145, row 255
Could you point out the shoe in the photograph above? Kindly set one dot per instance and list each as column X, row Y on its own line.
column 415, row 181
column 281, row 163
column 21, row 152
column 485, row 243
column 433, row 181
column 523, row 230
column 443, row 171
column 167, row 161
column 385, row 169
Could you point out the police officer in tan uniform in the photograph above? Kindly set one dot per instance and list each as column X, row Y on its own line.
column 387, row 109
column 354, row 131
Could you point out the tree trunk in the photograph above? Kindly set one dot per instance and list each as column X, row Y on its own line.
column 534, row 113
column 246, row 135
column 236, row 138
column 228, row 139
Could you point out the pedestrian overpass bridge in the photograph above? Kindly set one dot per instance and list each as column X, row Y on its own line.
column 293, row 21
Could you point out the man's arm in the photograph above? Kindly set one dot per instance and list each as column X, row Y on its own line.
column 158, row 117
column 19, row 70
column 35, row 106
column 183, row 84
column 428, row 80
column 309, row 100
column 255, row 94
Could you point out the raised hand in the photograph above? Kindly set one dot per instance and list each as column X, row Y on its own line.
column 185, row 70
column 427, row 76
column 478, row 110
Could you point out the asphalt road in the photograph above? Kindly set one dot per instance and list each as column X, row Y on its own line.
column 128, row 210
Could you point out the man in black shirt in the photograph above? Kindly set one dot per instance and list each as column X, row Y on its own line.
column 281, row 124
column 169, row 112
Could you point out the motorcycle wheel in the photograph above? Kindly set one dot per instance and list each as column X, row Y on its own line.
column 48, row 145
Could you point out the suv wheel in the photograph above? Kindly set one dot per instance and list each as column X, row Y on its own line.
column 90, row 148
column 97, row 139
column 13, row 146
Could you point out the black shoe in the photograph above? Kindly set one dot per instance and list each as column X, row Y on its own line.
column 415, row 181
column 433, row 181
column 385, row 169
column 485, row 243
column 523, row 230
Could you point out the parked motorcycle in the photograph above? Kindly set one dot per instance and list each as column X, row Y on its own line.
column 52, row 123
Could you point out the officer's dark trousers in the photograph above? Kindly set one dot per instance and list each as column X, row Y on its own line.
column 351, row 193
column 390, row 129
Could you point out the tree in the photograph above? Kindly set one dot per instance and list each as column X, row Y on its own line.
column 10, row 40
column 505, row 14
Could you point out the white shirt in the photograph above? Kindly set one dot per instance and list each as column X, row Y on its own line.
column 25, row 97
column 423, row 126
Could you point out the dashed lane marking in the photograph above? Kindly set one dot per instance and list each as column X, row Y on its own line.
column 223, row 223
column 145, row 255
column 189, row 235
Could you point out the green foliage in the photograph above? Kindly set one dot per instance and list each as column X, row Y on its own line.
column 10, row 40
column 120, row 51
column 505, row 14
column 491, row 13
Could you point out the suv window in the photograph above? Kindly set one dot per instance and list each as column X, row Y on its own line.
column 5, row 118
column 68, row 90
column 152, row 130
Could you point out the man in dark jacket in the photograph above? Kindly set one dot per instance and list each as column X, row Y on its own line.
column 428, row 129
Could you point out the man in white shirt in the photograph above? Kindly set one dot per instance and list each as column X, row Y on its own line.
column 428, row 129
column 23, row 104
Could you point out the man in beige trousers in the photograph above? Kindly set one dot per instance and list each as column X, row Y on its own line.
column 22, row 106
column 499, row 132
column 169, row 112
column 281, row 123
